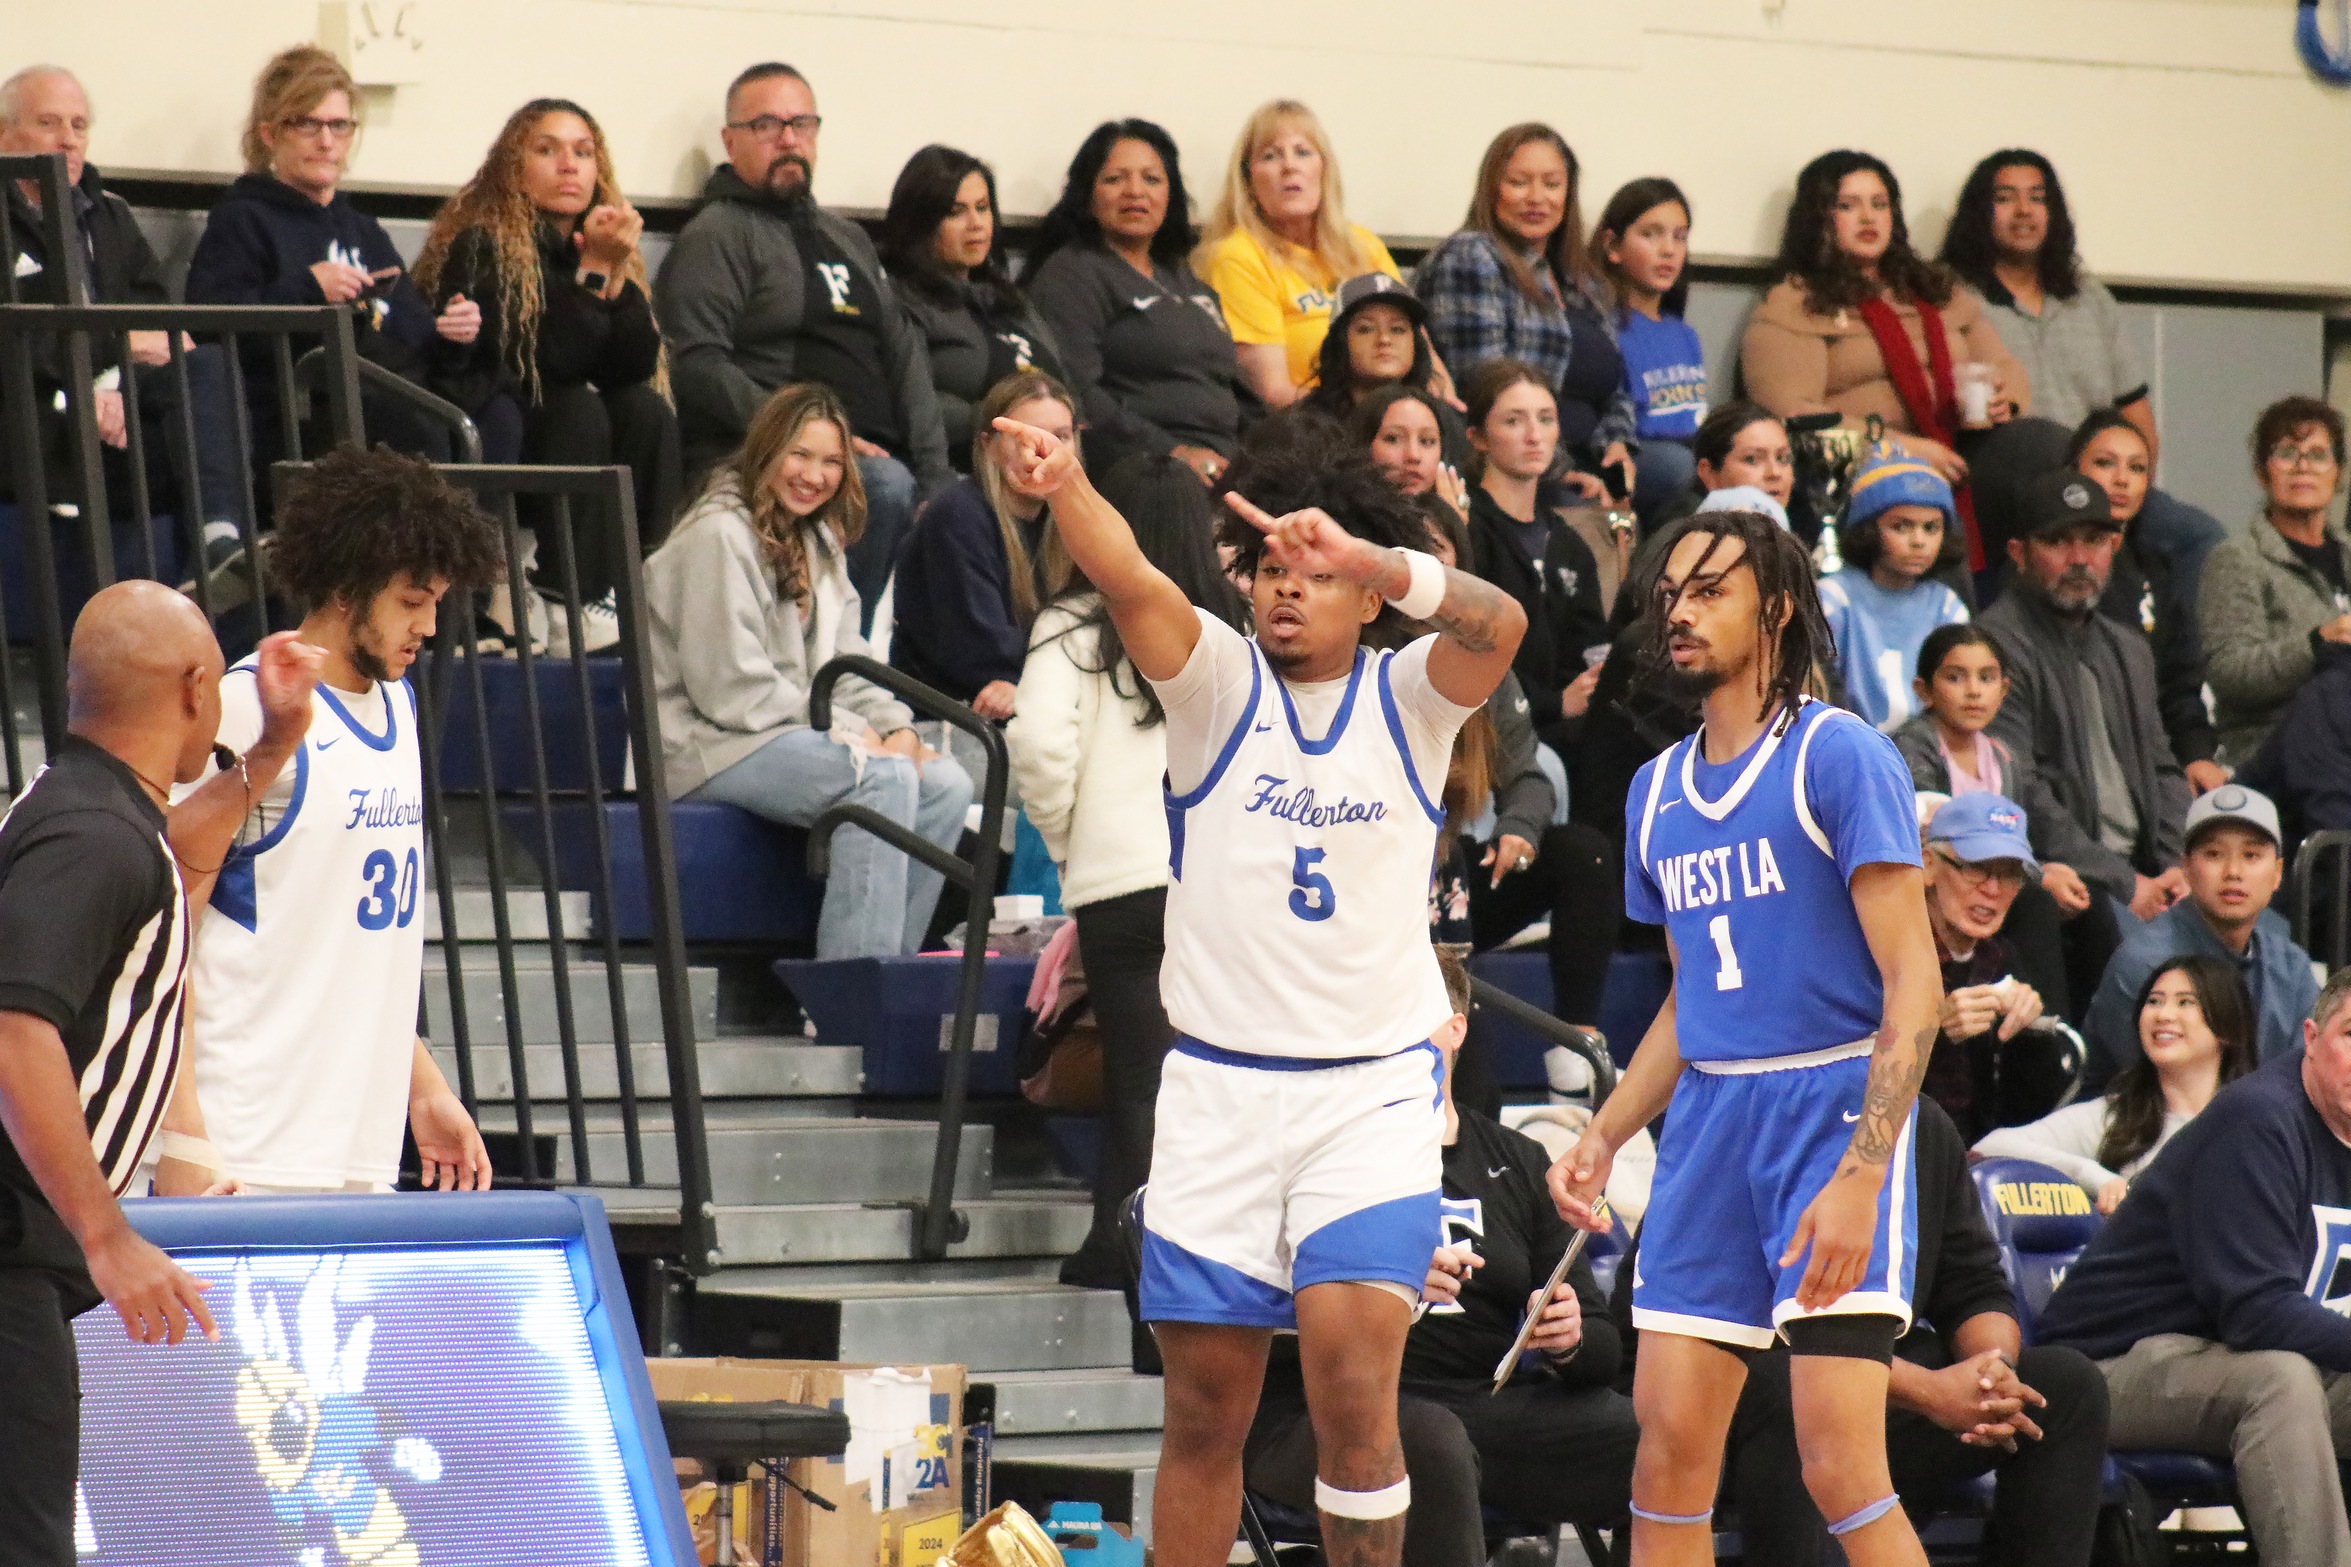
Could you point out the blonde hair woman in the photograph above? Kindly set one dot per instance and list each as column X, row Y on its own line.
column 1278, row 246
column 982, row 559
column 748, row 599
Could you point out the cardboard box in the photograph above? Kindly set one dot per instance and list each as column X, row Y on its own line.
column 922, row 1543
column 901, row 1479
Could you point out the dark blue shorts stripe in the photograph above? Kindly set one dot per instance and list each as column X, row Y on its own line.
column 1185, row 1044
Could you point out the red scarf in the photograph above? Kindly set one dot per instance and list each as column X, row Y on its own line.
column 1927, row 393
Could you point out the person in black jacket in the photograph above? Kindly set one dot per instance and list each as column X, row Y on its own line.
column 1555, row 1445
column 2305, row 764
column 938, row 241
column 566, row 368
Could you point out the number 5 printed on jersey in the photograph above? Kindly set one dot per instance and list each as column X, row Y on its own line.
column 1314, row 897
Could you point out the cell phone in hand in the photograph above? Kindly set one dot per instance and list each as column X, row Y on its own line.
column 1612, row 474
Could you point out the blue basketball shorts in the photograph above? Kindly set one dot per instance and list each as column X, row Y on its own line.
column 1272, row 1173
column 1748, row 1145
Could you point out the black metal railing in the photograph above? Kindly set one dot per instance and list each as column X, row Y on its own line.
column 2324, row 927
column 1585, row 1042
column 937, row 1223
column 313, row 369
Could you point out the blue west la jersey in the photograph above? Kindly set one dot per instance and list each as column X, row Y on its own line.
column 1748, row 864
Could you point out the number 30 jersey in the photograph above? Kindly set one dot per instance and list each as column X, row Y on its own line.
column 1301, row 846
column 308, row 960
column 1749, row 864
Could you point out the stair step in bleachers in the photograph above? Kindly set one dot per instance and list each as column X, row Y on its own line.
column 763, row 1157
column 896, row 1010
column 1050, row 1403
column 1117, row 1471
column 1035, row 1224
column 485, row 1005
column 732, row 1067
column 1018, row 1323
column 526, row 915
column 560, row 718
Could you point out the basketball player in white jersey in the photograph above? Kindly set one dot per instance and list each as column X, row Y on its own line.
column 1296, row 1173
column 310, row 954
column 1779, row 848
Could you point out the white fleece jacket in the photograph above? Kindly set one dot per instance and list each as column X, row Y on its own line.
column 1090, row 776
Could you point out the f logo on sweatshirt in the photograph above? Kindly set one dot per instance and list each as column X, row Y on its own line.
column 2330, row 1268
column 836, row 283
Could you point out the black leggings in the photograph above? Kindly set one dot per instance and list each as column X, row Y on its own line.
column 578, row 426
column 1575, row 883
column 1122, row 942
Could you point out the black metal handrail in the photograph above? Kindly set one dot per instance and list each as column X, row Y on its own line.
column 1585, row 1042
column 2318, row 847
column 937, row 1224
column 313, row 367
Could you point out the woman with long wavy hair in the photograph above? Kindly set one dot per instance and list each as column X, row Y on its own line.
column 748, row 599
column 567, row 367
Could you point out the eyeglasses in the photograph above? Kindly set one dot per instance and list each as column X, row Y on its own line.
column 2299, row 459
column 312, row 127
column 1992, row 873
column 769, row 127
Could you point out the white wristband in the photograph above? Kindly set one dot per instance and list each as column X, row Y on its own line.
column 1420, row 600
column 188, row 1150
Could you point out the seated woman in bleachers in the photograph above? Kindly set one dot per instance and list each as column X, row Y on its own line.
column 1143, row 340
column 1517, row 281
column 2196, row 1035
column 981, row 559
column 938, row 241
column 567, row 367
column 285, row 234
column 1277, row 246
column 1089, row 752
column 1404, row 429
column 747, row 599
column 1643, row 240
column 1377, row 340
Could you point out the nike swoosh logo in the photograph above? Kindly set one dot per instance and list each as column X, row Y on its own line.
column 323, row 744
column 1497, row 1170
column 1265, row 729
column 1145, row 304
column 1851, row 1116
column 1667, row 806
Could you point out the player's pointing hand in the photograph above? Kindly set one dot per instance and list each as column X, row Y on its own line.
column 1036, row 462
column 1312, row 543
column 286, row 669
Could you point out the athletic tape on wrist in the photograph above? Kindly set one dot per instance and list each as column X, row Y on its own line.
column 1427, row 591
column 188, row 1150
column 1863, row 1517
column 1639, row 1511
column 1363, row 1504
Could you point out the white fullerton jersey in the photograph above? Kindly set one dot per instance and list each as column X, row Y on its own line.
column 1297, row 921
column 310, row 956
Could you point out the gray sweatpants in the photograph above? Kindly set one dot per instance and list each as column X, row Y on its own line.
column 2278, row 1417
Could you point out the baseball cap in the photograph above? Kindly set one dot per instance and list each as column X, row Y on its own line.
column 2234, row 803
column 1895, row 478
column 2060, row 498
column 1980, row 826
column 1357, row 292
column 1744, row 497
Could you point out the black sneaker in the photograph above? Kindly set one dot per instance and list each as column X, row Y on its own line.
column 228, row 578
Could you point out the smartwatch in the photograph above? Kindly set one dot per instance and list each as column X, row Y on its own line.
column 595, row 282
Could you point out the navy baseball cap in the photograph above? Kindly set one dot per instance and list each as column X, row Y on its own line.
column 1980, row 826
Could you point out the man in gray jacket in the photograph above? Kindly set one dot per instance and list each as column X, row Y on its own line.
column 2081, row 699
column 763, row 288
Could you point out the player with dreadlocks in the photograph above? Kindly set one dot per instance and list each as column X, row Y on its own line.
column 1779, row 848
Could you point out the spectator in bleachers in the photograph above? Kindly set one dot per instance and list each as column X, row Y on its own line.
column 1404, row 428
column 764, row 287
column 2082, row 694
column 1517, row 281
column 2272, row 595
column 2214, row 1299
column 2144, row 588
column 1978, row 858
column 1738, row 445
column 2234, row 866
column 285, row 234
column 1966, row 1396
column 566, row 369
column 1861, row 324
column 1278, row 244
column 1158, row 380
column 2305, row 764
column 1643, row 238
column 1524, row 547
column 982, row 559
column 1088, row 742
column 44, row 110
column 1378, row 339
column 2195, row 1028
column 1882, row 602
column 747, row 599
column 938, row 241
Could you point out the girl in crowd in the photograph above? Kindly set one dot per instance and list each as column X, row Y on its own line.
column 751, row 596
column 566, row 368
column 1089, row 751
column 1378, row 339
column 981, row 559
column 939, row 243
column 1881, row 604
column 2144, row 590
column 1740, row 445
column 1404, row 429
column 1644, row 243
column 2196, row 1038
column 1860, row 324
column 1278, row 245
column 1517, row 281
column 285, row 234
column 1142, row 338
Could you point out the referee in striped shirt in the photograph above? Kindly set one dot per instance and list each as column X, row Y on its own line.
column 94, row 934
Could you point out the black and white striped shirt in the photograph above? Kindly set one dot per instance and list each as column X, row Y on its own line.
column 94, row 941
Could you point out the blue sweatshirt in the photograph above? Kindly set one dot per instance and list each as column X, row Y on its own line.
column 1878, row 635
column 2236, row 1233
column 1664, row 374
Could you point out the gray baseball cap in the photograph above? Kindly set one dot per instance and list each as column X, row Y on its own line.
column 2234, row 803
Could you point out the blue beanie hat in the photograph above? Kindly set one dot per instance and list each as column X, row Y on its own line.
column 1895, row 478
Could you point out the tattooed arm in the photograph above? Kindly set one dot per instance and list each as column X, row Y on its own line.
column 1890, row 901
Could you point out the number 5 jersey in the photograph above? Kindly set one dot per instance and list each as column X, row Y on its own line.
column 309, row 958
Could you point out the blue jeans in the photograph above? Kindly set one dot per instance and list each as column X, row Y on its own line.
column 889, row 517
column 877, row 901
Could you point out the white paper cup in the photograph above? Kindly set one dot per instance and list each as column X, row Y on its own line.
column 1973, row 387
column 1020, row 906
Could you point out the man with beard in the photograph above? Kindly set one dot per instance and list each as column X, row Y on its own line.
column 2082, row 695
column 763, row 288
column 310, row 950
column 1779, row 848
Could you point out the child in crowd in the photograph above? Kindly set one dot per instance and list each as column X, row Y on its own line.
column 1644, row 240
column 1881, row 605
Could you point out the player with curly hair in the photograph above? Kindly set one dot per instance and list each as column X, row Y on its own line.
column 310, row 950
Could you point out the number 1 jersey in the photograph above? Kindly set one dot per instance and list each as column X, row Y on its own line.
column 1749, row 864
column 309, row 958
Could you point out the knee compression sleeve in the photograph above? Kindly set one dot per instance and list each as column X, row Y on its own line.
column 1865, row 1335
column 1387, row 1502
